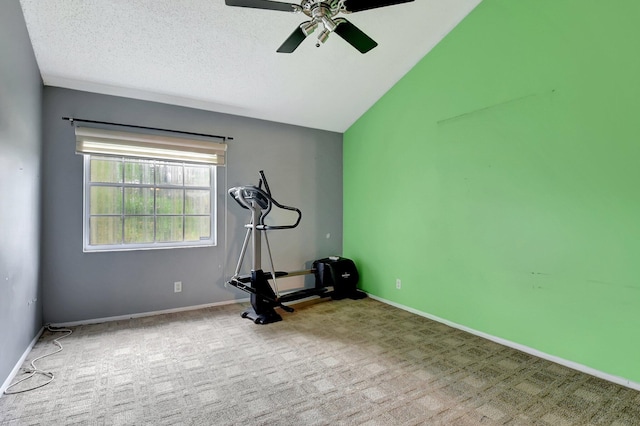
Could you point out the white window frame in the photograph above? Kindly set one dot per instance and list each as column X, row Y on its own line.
column 89, row 248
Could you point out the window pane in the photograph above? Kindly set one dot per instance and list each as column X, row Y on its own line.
column 106, row 200
column 105, row 169
column 139, row 172
column 168, row 228
column 134, row 203
column 197, row 202
column 169, row 201
column 196, row 176
column 169, row 174
column 197, row 228
column 106, row 230
column 138, row 201
column 138, row 229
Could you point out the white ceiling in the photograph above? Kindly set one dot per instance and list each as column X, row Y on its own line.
column 203, row 54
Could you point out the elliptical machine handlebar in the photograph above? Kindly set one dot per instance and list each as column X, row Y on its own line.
column 263, row 180
column 246, row 195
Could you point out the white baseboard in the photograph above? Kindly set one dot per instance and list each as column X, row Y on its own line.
column 531, row 351
column 168, row 311
column 146, row 314
column 16, row 369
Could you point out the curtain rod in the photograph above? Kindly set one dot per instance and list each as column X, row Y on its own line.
column 82, row 120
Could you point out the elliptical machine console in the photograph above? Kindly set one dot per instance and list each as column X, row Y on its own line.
column 336, row 277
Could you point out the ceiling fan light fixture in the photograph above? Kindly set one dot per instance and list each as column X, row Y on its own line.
column 329, row 24
column 308, row 27
column 324, row 35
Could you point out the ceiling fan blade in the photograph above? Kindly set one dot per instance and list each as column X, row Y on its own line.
column 360, row 5
column 354, row 36
column 294, row 40
column 264, row 4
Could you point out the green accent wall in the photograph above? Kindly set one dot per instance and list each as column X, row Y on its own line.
column 499, row 180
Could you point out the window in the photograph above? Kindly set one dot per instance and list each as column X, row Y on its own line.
column 136, row 202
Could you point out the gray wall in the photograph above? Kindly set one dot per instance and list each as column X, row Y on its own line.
column 304, row 168
column 20, row 143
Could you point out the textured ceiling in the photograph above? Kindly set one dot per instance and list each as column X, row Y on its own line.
column 203, row 54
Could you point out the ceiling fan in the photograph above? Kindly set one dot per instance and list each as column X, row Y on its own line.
column 322, row 13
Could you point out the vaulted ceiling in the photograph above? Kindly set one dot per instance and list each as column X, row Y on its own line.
column 204, row 54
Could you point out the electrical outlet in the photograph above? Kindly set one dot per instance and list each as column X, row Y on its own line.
column 177, row 286
column 398, row 283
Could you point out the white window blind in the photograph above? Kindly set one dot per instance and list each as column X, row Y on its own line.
column 125, row 144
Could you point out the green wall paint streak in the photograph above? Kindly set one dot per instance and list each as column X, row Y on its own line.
column 499, row 180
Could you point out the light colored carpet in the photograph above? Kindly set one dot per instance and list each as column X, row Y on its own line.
column 329, row 363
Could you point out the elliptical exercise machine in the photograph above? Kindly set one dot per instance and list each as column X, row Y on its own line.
column 334, row 272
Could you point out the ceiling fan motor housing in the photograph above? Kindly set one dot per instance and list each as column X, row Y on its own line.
column 317, row 8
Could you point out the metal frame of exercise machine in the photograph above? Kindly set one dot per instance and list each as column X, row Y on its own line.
column 263, row 298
